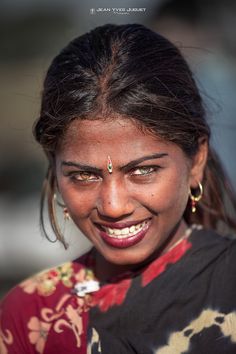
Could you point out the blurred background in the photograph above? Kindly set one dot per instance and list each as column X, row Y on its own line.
column 31, row 34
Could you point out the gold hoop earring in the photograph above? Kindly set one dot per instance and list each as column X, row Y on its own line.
column 196, row 198
column 66, row 214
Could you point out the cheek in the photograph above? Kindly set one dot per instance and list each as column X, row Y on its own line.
column 79, row 204
column 167, row 193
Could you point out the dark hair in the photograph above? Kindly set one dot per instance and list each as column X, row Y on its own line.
column 134, row 72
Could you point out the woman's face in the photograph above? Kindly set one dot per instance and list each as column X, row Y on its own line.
column 136, row 210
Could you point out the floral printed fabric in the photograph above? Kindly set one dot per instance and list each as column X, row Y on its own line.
column 43, row 311
column 44, row 315
column 182, row 302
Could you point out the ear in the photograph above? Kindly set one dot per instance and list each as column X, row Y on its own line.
column 198, row 163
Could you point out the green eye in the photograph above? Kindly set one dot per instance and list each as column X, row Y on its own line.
column 143, row 171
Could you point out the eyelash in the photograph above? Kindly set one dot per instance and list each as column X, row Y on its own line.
column 75, row 176
column 147, row 171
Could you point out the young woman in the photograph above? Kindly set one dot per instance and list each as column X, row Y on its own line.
column 124, row 130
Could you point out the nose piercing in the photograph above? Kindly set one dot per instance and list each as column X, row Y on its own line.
column 109, row 164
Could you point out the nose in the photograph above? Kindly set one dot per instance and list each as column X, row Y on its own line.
column 114, row 201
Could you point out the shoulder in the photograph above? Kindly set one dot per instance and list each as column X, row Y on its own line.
column 210, row 242
column 33, row 305
column 52, row 281
column 214, row 259
column 46, row 284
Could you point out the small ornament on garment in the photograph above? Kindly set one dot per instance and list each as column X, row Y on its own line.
column 86, row 287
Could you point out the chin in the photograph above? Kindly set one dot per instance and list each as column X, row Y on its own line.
column 126, row 257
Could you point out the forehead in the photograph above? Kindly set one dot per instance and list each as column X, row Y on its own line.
column 99, row 129
column 120, row 138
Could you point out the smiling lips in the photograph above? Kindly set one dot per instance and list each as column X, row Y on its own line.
column 125, row 232
column 124, row 237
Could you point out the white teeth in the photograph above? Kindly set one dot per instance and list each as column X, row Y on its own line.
column 132, row 228
column 127, row 231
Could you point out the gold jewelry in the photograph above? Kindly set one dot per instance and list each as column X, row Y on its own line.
column 109, row 164
column 196, row 198
column 66, row 214
column 65, row 210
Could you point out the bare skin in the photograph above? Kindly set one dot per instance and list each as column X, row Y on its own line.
column 150, row 195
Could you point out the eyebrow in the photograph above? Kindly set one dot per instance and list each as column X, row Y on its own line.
column 86, row 168
column 131, row 164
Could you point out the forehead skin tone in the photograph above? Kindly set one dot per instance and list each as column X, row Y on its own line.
column 149, row 183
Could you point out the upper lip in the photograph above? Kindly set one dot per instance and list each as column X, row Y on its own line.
column 121, row 225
